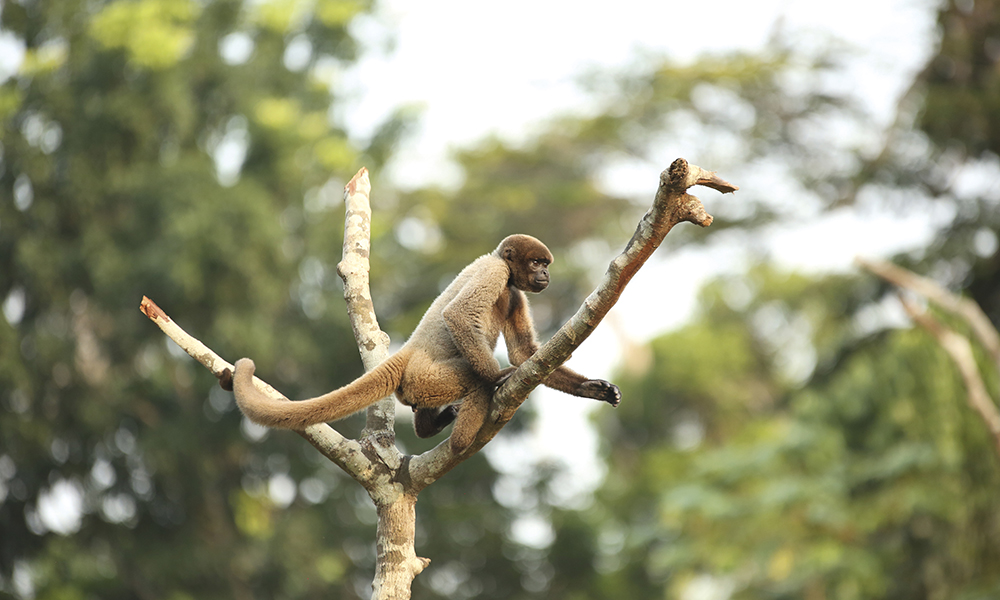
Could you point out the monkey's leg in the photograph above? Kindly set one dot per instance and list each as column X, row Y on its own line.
column 471, row 417
column 566, row 380
column 428, row 383
column 428, row 422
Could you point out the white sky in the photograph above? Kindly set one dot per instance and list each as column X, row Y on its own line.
column 483, row 68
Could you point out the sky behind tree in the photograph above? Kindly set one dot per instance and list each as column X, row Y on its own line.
column 520, row 61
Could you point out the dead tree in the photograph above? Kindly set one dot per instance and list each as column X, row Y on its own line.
column 393, row 480
column 957, row 346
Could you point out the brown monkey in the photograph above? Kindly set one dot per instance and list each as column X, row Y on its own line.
column 449, row 356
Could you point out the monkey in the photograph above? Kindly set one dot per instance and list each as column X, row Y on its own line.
column 448, row 357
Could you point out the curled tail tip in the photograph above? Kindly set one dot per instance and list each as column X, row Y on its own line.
column 243, row 388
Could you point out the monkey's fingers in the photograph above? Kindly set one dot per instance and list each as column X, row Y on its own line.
column 614, row 395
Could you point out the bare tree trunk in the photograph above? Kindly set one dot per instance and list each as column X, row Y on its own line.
column 396, row 561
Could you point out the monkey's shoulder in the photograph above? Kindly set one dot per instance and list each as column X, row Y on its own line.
column 488, row 268
column 484, row 280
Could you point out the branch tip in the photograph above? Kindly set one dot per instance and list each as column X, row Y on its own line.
column 359, row 181
column 681, row 175
column 676, row 175
column 710, row 179
column 151, row 310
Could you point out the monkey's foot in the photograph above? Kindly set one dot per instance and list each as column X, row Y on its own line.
column 598, row 389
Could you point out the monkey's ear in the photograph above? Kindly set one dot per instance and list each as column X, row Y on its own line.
column 508, row 253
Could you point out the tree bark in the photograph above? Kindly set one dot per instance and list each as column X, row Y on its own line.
column 396, row 562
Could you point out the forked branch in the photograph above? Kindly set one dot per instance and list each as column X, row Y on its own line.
column 361, row 462
column 672, row 205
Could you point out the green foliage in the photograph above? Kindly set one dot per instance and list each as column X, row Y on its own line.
column 961, row 84
column 112, row 188
column 113, row 185
column 155, row 33
column 873, row 478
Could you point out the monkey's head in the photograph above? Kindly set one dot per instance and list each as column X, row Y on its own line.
column 528, row 260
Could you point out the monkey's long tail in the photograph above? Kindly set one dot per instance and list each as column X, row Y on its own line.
column 362, row 392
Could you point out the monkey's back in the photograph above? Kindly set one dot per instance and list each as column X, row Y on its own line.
column 474, row 292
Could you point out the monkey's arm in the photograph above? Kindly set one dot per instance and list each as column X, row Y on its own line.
column 467, row 318
column 519, row 334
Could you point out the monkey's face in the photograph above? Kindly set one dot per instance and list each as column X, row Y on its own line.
column 528, row 260
column 538, row 275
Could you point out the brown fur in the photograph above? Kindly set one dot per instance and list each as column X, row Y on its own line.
column 449, row 356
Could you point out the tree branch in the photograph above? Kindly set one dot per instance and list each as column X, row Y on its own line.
column 354, row 268
column 672, row 205
column 960, row 350
column 346, row 453
column 957, row 346
column 396, row 562
column 963, row 308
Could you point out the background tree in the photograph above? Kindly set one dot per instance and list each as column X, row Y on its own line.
column 166, row 146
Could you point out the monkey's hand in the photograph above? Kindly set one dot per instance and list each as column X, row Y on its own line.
column 598, row 389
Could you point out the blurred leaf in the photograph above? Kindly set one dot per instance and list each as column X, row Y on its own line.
column 156, row 33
